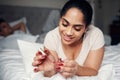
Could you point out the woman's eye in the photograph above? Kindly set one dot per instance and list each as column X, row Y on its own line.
column 77, row 29
column 65, row 25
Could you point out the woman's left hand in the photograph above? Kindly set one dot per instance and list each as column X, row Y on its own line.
column 68, row 68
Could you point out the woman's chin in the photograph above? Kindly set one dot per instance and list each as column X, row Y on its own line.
column 67, row 42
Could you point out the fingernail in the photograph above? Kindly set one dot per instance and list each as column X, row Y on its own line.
column 46, row 51
column 58, row 68
column 39, row 60
column 38, row 53
column 60, row 64
column 35, row 70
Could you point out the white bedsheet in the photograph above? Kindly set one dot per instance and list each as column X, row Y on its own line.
column 112, row 56
column 12, row 67
column 11, row 63
column 106, row 73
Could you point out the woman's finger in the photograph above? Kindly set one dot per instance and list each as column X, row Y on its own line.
column 39, row 57
column 66, row 69
column 37, row 62
column 66, row 74
column 38, row 53
column 69, row 63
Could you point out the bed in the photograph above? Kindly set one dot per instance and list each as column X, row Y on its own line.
column 13, row 64
column 16, row 50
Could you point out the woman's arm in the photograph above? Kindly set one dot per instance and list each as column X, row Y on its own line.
column 90, row 67
column 92, row 63
column 20, row 26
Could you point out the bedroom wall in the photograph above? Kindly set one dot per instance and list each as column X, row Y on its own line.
column 105, row 13
column 35, row 3
column 105, row 10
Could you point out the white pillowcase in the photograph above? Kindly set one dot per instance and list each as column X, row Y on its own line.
column 28, row 51
column 24, row 20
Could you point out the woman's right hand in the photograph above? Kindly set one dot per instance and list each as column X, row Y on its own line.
column 44, row 62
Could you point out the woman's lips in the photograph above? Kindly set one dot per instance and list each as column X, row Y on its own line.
column 66, row 38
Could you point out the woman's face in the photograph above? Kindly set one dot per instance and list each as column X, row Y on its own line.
column 72, row 27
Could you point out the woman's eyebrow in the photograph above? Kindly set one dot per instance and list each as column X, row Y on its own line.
column 77, row 25
column 65, row 20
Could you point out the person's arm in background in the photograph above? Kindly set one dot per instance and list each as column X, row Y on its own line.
column 20, row 26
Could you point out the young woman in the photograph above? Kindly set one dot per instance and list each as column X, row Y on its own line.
column 79, row 44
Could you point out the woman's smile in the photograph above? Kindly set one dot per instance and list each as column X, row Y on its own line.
column 67, row 38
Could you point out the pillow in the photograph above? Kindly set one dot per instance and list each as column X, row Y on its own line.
column 23, row 19
column 28, row 51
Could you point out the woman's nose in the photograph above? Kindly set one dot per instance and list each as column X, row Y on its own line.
column 69, row 31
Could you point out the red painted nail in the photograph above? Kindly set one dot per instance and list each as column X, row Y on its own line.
column 58, row 68
column 60, row 64
column 35, row 70
column 46, row 51
column 38, row 53
column 39, row 60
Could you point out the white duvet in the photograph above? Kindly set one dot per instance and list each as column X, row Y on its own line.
column 13, row 68
column 10, row 42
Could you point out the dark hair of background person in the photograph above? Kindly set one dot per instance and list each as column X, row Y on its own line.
column 2, row 20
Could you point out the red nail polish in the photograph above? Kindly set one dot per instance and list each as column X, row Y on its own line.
column 39, row 53
column 60, row 64
column 47, row 52
column 39, row 60
column 58, row 68
column 35, row 70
